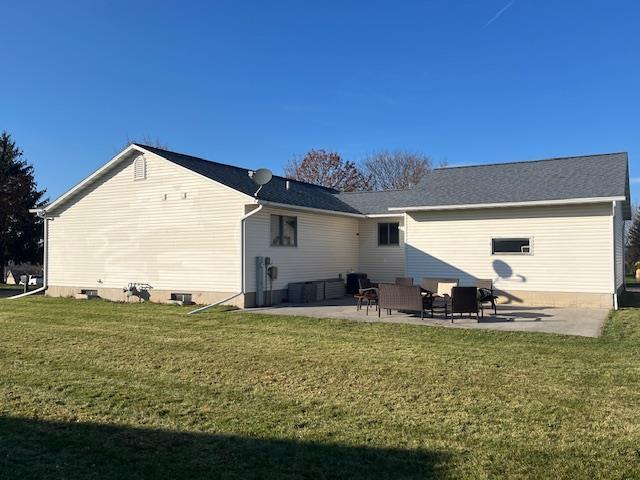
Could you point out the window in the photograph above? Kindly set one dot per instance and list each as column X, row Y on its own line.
column 140, row 168
column 511, row 246
column 284, row 231
column 389, row 234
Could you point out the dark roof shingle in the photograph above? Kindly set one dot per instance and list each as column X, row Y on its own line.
column 591, row 176
column 371, row 203
column 300, row 193
column 566, row 178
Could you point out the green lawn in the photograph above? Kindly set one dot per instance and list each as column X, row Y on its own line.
column 631, row 281
column 104, row 390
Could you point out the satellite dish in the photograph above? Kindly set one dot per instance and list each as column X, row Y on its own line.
column 261, row 177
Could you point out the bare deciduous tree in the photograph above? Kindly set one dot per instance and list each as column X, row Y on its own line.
column 631, row 239
column 396, row 170
column 328, row 169
column 145, row 140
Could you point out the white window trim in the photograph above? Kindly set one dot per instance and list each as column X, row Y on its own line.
column 511, row 237
column 281, row 223
column 388, row 245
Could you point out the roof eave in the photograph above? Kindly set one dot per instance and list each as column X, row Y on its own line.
column 78, row 187
column 290, row 206
column 568, row 201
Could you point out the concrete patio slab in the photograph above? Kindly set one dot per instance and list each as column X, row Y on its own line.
column 585, row 322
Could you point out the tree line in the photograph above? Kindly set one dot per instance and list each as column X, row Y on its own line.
column 20, row 230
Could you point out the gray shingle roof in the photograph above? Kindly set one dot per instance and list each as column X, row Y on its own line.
column 301, row 194
column 589, row 176
column 375, row 202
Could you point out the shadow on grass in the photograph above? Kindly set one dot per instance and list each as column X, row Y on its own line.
column 6, row 292
column 32, row 449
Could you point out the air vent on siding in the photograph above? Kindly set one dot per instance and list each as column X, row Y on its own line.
column 140, row 168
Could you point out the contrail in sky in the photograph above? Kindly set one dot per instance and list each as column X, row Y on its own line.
column 500, row 12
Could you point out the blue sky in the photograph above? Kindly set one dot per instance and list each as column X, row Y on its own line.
column 254, row 83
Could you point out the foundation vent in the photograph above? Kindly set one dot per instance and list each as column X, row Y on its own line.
column 181, row 299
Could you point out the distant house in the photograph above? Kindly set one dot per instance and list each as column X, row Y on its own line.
column 12, row 277
column 546, row 232
column 13, row 272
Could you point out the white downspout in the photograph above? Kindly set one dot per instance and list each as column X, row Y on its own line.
column 243, row 226
column 45, row 260
column 615, row 260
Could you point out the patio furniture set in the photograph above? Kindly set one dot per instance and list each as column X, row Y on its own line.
column 433, row 294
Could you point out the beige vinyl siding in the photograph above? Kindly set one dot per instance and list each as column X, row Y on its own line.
column 327, row 247
column 121, row 230
column 380, row 263
column 618, row 231
column 572, row 247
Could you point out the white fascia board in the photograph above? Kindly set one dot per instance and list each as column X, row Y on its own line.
column 570, row 201
column 309, row 209
column 384, row 215
column 91, row 177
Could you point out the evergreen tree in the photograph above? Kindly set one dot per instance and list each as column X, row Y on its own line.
column 20, row 231
column 633, row 241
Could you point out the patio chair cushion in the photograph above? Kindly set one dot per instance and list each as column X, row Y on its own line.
column 444, row 288
column 484, row 283
column 429, row 284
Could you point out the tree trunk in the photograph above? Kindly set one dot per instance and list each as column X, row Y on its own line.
column 2, row 279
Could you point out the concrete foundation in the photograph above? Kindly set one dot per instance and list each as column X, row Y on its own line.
column 248, row 300
column 277, row 296
column 556, row 299
column 156, row 296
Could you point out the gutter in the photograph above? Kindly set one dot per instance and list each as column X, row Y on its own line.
column 45, row 260
column 533, row 203
column 613, row 248
column 243, row 227
column 288, row 206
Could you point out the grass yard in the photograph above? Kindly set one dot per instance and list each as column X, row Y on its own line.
column 104, row 390
column 630, row 280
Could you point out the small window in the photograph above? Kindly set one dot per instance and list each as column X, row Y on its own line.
column 511, row 246
column 140, row 168
column 284, row 231
column 389, row 234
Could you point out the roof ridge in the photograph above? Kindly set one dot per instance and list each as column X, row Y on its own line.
column 534, row 161
column 150, row 147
